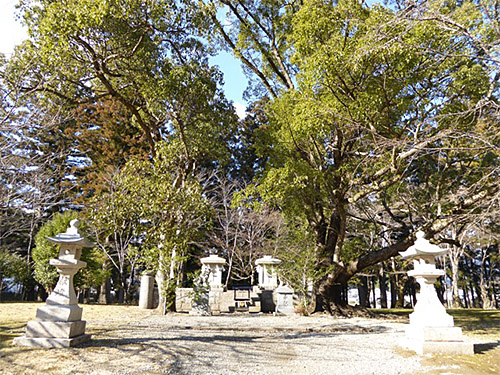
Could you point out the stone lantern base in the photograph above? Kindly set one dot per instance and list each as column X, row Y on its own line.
column 48, row 342
column 56, row 326
column 445, row 340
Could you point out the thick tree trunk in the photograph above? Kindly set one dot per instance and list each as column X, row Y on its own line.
column 456, row 303
column 394, row 292
column 374, row 294
column 382, row 282
column 105, row 292
column 487, row 303
column 363, row 292
column 331, row 288
column 400, row 290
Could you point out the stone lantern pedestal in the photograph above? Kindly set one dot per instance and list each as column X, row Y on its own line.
column 267, row 282
column 58, row 323
column 431, row 328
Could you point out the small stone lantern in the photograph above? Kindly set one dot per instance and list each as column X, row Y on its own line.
column 431, row 329
column 58, row 323
column 266, row 268
column 213, row 265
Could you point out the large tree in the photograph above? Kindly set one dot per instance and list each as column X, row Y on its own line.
column 394, row 106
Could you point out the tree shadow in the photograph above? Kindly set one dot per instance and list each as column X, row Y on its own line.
column 483, row 348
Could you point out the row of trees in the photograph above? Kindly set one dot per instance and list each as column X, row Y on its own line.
column 367, row 123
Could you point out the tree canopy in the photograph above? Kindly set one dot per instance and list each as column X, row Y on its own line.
column 366, row 124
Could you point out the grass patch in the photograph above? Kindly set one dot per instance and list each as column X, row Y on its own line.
column 476, row 321
column 15, row 315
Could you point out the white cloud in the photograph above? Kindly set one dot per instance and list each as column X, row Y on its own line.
column 240, row 110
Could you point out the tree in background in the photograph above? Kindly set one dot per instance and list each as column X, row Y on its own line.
column 143, row 218
column 37, row 164
column 12, row 266
column 140, row 58
column 45, row 250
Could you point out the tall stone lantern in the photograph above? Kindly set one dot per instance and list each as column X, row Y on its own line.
column 213, row 265
column 266, row 268
column 431, row 328
column 58, row 323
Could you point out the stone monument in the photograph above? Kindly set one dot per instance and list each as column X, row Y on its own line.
column 431, row 329
column 284, row 296
column 58, row 323
column 146, row 293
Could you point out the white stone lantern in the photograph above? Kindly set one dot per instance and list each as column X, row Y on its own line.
column 58, row 323
column 266, row 268
column 213, row 265
column 431, row 328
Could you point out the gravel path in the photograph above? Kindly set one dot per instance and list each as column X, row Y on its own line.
column 229, row 344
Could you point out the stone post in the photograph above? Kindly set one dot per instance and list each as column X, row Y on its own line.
column 146, row 291
column 431, row 329
column 58, row 323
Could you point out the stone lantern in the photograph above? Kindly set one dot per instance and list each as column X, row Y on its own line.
column 266, row 268
column 431, row 328
column 58, row 323
column 213, row 265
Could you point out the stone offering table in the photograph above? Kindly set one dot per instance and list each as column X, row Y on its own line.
column 431, row 328
column 58, row 323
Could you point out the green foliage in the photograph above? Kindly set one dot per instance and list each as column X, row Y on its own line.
column 13, row 265
column 45, row 250
column 298, row 252
column 143, row 55
column 151, row 213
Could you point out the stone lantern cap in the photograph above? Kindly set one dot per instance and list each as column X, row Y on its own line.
column 213, row 259
column 71, row 236
column 267, row 260
column 422, row 248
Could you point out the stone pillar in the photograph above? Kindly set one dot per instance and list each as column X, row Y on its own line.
column 431, row 329
column 146, row 291
column 58, row 323
column 266, row 268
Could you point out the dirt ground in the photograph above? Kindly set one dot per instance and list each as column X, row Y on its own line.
column 127, row 340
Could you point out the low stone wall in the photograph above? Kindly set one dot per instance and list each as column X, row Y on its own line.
column 221, row 301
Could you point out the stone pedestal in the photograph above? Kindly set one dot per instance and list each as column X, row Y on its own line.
column 146, row 292
column 58, row 324
column 431, row 328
